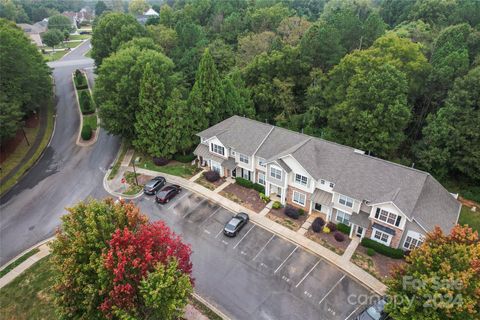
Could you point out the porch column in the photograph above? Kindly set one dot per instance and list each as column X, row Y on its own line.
column 352, row 226
column 311, row 205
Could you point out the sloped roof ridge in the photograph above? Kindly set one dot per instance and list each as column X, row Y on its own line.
column 395, row 164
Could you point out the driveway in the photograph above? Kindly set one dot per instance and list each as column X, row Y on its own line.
column 256, row 275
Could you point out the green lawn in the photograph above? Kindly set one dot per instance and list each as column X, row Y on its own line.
column 123, row 149
column 88, row 54
column 17, row 262
column 174, row 168
column 54, row 56
column 29, row 296
column 80, row 36
column 469, row 217
column 64, row 45
column 90, row 119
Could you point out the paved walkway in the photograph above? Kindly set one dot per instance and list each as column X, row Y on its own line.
column 227, row 182
column 347, row 255
column 198, row 175
column 267, row 209
column 347, row 266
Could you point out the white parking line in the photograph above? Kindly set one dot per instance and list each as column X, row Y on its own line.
column 353, row 312
column 177, row 201
column 281, row 265
column 307, row 274
column 263, row 247
column 218, row 233
column 198, row 205
column 244, row 236
column 336, row 284
column 210, row 216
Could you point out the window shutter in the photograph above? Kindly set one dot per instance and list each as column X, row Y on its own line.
column 377, row 213
column 397, row 223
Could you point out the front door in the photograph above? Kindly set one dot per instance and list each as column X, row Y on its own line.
column 234, row 173
column 359, row 232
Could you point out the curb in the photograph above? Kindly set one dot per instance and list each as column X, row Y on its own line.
column 66, row 54
column 211, row 307
column 97, row 131
column 118, row 194
column 25, row 251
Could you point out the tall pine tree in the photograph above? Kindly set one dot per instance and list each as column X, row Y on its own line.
column 206, row 97
column 149, row 125
column 237, row 97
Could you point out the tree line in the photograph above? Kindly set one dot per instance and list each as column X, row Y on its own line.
column 394, row 78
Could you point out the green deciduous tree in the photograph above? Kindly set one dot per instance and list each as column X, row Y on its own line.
column 52, row 38
column 441, row 279
column 165, row 37
column 267, row 18
column 138, row 6
column 207, row 93
column 451, row 137
column 110, row 31
column 100, row 8
column 77, row 254
column 10, row 118
column 252, row 44
column 60, row 22
column 292, row 29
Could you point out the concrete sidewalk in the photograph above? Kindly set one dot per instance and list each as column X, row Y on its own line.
column 342, row 263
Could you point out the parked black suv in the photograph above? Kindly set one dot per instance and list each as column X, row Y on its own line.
column 152, row 186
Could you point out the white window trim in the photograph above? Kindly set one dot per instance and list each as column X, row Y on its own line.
column 260, row 160
column 300, row 181
column 388, row 213
column 343, row 219
column 241, row 155
column 346, row 200
column 258, row 177
column 389, row 237
column 418, row 237
column 274, row 176
column 219, row 146
column 300, row 195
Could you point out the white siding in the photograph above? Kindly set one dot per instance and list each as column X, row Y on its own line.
column 214, row 140
column 390, row 207
column 355, row 208
column 297, row 168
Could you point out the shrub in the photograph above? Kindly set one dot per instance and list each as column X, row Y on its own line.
column 259, row 187
column 301, row 212
column 383, row 249
column 86, row 104
column 249, row 184
column 276, row 205
column 343, row 228
column 212, row 176
column 370, row 252
column 340, row 237
column 264, row 197
column 318, row 224
column 326, row 229
column 160, row 161
column 80, row 80
column 86, row 132
column 184, row 158
column 332, row 226
column 292, row 212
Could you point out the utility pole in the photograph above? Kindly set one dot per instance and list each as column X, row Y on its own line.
column 135, row 171
column 25, row 135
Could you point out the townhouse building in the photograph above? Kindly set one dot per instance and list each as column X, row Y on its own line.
column 381, row 200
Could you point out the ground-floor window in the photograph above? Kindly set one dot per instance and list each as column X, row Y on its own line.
column 343, row 217
column 381, row 237
column 299, row 198
column 245, row 174
column 216, row 167
column 413, row 240
column 261, row 178
column 318, row 206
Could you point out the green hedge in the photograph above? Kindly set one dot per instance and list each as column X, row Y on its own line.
column 383, row 249
column 86, row 132
column 249, row 184
column 80, row 80
column 86, row 103
column 184, row 158
column 343, row 228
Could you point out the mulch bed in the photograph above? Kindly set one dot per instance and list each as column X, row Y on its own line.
column 244, row 196
column 9, row 146
column 209, row 185
column 327, row 240
column 279, row 216
column 378, row 265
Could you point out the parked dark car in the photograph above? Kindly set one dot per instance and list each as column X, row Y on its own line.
column 152, row 186
column 374, row 312
column 235, row 224
column 167, row 193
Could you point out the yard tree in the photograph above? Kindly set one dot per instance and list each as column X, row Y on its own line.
column 77, row 254
column 60, row 22
column 117, row 88
column 150, row 116
column 165, row 37
column 25, row 83
column 100, row 8
column 207, row 93
column 451, row 137
column 237, row 97
column 138, row 6
column 441, row 279
column 251, row 45
column 52, row 38
column 111, row 30
column 148, row 273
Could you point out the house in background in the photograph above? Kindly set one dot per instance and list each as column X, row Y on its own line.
column 34, row 31
column 381, row 200
column 150, row 13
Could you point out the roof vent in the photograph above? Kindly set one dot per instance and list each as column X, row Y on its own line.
column 358, row 151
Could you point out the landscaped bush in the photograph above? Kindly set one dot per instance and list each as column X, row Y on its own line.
column 343, row 228
column 332, row 226
column 301, row 212
column 265, row 198
column 370, row 252
column 249, row 184
column 212, row 176
column 184, row 158
column 276, row 205
column 160, row 161
column 86, row 132
column 340, row 237
column 80, row 80
column 326, row 229
column 292, row 212
column 318, row 224
column 383, row 249
column 86, row 103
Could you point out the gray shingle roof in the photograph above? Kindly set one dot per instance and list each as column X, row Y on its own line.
column 362, row 177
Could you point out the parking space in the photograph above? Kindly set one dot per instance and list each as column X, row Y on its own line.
column 199, row 212
column 255, row 241
column 215, row 223
column 297, row 266
column 274, row 254
column 184, row 203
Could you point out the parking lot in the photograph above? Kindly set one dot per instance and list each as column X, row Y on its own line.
column 257, row 263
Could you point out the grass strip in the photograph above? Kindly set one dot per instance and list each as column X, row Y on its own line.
column 206, row 311
column 469, row 217
column 123, row 149
column 17, row 262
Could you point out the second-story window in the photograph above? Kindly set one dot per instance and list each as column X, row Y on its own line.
column 301, row 179
column 261, row 162
column 346, row 201
column 332, row 185
column 388, row 217
column 275, row 173
column 218, row 149
column 243, row 158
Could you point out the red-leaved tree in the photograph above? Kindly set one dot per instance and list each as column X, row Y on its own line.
column 131, row 257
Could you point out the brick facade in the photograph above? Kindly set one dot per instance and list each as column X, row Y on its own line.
column 395, row 242
column 289, row 198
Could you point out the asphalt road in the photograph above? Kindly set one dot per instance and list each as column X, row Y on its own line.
column 256, row 275
column 66, row 174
